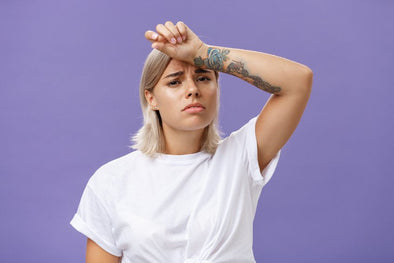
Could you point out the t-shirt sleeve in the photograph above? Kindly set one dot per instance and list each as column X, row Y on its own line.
column 93, row 220
column 249, row 130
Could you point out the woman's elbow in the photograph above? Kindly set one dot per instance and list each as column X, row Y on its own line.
column 305, row 79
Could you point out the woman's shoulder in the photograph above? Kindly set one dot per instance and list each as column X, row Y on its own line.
column 115, row 170
column 121, row 162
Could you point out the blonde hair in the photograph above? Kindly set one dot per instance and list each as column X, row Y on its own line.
column 150, row 137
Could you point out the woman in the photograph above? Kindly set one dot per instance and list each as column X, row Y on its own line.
column 185, row 195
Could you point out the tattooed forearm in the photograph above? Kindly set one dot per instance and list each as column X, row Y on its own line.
column 238, row 68
column 215, row 61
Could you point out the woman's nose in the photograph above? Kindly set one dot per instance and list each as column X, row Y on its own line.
column 192, row 90
column 190, row 94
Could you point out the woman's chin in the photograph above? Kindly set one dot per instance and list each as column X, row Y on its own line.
column 197, row 125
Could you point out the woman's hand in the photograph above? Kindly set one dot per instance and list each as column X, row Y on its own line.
column 177, row 41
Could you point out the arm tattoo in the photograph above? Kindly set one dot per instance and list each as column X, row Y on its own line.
column 215, row 61
column 238, row 68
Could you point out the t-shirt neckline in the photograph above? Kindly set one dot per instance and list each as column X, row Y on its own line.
column 182, row 159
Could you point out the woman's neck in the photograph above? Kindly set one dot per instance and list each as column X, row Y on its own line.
column 179, row 142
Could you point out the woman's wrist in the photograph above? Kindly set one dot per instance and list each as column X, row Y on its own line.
column 214, row 58
column 201, row 54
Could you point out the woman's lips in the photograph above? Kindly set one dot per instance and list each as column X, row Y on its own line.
column 194, row 108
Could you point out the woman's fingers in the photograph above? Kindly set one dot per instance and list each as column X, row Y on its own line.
column 151, row 36
column 173, row 33
column 167, row 36
column 182, row 30
column 158, row 41
column 166, row 32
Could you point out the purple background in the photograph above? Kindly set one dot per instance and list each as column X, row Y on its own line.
column 69, row 74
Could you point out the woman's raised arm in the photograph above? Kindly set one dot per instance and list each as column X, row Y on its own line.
column 289, row 82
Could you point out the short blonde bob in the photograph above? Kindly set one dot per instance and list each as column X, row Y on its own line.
column 150, row 138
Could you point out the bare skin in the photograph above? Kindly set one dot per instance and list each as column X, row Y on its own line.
column 95, row 254
column 290, row 84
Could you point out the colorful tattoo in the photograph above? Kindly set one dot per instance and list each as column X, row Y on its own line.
column 215, row 61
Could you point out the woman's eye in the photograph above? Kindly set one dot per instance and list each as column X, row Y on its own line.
column 203, row 79
column 174, row 83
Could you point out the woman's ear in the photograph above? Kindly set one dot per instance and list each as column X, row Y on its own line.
column 150, row 98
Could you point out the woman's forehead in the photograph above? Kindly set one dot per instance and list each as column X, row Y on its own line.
column 180, row 66
column 177, row 65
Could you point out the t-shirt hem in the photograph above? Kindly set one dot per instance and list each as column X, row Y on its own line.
column 82, row 227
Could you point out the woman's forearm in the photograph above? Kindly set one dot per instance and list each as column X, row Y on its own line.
column 270, row 73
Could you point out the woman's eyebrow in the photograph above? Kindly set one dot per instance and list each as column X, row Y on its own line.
column 176, row 74
column 180, row 73
column 200, row 70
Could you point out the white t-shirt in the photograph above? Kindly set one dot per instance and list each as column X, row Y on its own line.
column 194, row 208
